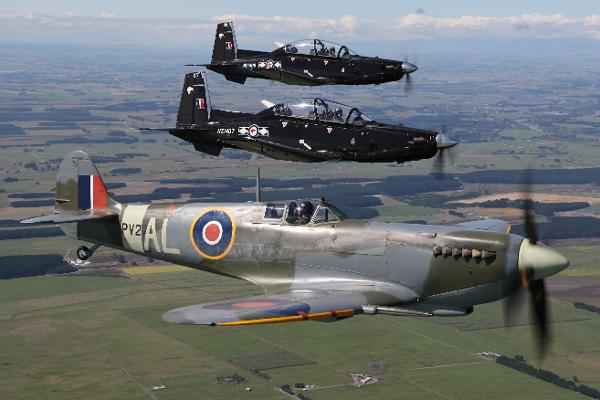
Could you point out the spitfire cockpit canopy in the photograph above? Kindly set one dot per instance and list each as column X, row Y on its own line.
column 318, row 47
column 322, row 110
column 302, row 212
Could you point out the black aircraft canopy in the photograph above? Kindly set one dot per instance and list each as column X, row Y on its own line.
column 321, row 110
column 317, row 47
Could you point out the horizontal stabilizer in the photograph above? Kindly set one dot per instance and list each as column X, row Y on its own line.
column 66, row 217
column 149, row 131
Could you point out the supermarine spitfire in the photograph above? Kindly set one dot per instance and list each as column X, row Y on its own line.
column 307, row 62
column 312, row 130
column 312, row 262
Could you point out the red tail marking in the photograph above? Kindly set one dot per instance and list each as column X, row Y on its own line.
column 99, row 192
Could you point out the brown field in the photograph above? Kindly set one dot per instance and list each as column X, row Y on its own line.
column 571, row 289
column 24, row 212
column 500, row 213
column 541, row 197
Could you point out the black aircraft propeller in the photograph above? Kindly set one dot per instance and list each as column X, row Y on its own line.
column 527, row 276
column 444, row 144
column 407, row 69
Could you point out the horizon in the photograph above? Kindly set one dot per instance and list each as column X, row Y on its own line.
column 431, row 25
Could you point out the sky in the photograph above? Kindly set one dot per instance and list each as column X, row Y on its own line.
column 306, row 8
column 180, row 23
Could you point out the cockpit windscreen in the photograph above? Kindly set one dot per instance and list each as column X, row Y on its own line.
column 322, row 110
column 302, row 212
column 318, row 47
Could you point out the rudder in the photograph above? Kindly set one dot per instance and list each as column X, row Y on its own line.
column 79, row 185
column 194, row 106
column 225, row 47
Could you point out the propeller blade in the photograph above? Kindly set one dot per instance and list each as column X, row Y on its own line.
column 513, row 307
column 438, row 165
column 528, row 209
column 408, row 86
column 539, row 309
column 545, row 262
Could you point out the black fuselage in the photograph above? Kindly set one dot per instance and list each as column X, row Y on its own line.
column 309, row 70
column 308, row 139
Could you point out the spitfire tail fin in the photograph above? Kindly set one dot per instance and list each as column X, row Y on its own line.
column 225, row 47
column 194, row 107
column 79, row 186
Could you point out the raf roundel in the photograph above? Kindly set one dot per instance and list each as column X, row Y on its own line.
column 212, row 233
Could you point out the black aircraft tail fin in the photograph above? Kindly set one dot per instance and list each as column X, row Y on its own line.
column 225, row 47
column 194, row 106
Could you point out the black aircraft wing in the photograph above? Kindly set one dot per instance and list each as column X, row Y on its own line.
column 293, row 77
column 280, row 151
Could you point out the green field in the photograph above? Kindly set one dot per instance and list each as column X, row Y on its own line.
column 69, row 337
column 76, row 336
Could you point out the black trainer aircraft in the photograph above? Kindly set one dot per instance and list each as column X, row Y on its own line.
column 312, row 130
column 308, row 62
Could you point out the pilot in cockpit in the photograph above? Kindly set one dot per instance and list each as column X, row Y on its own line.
column 337, row 115
column 282, row 109
column 291, row 49
column 304, row 212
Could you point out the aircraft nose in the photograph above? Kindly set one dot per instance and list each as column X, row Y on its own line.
column 408, row 68
column 445, row 142
column 542, row 261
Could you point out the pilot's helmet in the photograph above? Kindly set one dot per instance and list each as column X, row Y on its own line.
column 338, row 112
column 304, row 211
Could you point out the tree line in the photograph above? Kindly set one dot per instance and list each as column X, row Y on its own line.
column 518, row 363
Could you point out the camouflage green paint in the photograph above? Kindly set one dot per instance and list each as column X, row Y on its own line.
column 387, row 263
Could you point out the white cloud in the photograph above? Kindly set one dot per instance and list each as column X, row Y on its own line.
column 530, row 25
column 349, row 23
column 278, row 24
column 109, row 28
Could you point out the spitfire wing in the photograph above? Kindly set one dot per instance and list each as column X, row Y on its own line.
column 296, row 305
column 492, row 225
column 293, row 77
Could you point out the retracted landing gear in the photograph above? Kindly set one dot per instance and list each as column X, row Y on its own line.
column 83, row 253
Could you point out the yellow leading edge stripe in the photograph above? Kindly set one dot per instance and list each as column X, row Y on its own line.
column 328, row 314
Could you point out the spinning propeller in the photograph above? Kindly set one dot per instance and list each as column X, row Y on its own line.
column 407, row 69
column 444, row 143
column 536, row 262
